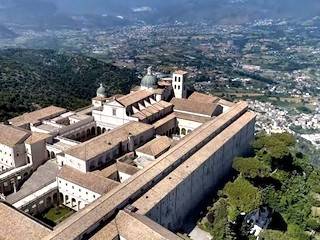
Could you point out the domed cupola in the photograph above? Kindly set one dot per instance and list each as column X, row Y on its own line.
column 149, row 81
column 101, row 91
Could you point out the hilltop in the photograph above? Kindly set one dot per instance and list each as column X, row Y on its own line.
column 31, row 79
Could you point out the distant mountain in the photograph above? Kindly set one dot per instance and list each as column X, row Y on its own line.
column 6, row 33
column 217, row 11
column 102, row 13
column 33, row 78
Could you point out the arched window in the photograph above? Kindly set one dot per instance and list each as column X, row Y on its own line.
column 93, row 131
column 183, row 131
column 55, row 198
column 48, row 201
column 98, row 130
column 67, row 199
column 73, row 202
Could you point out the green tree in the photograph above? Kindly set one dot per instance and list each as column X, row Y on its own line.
column 251, row 167
column 274, row 235
column 242, row 196
column 217, row 223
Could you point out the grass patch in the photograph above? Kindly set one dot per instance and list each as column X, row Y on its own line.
column 55, row 215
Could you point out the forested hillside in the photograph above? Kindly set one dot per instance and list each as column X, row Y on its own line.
column 30, row 79
column 275, row 177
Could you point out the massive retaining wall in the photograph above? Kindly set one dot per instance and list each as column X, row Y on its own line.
column 170, row 201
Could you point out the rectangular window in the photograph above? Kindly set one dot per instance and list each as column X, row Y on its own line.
column 114, row 112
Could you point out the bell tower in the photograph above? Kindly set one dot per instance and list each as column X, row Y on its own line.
column 179, row 84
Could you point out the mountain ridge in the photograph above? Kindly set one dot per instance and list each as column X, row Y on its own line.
column 31, row 79
column 61, row 13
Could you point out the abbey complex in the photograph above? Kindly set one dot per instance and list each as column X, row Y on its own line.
column 129, row 166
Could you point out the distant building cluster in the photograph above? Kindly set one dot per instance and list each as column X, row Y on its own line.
column 131, row 166
column 272, row 119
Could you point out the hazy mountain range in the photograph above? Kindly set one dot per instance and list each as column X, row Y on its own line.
column 82, row 13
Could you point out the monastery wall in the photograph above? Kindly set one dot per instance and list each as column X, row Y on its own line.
column 171, row 200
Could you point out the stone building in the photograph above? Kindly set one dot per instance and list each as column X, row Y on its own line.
column 146, row 158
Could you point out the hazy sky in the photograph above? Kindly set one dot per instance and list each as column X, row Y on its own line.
column 153, row 11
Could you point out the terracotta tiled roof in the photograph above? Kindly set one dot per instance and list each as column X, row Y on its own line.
column 36, row 116
column 106, row 141
column 10, row 136
column 156, row 146
column 203, row 98
column 134, row 97
column 181, row 72
column 37, row 137
column 191, row 117
column 186, row 105
column 88, row 180
column 136, row 227
column 15, row 225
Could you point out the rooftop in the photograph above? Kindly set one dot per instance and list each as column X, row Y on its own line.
column 163, row 121
column 136, row 227
column 117, row 167
column 226, row 103
column 36, row 116
column 203, row 98
column 156, row 147
column 151, row 110
column 191, row 117
column 11, row 136
column 37, row 137
column 44, row 175
column 20, row 226
column 181, row 72
column 106, row 141
column 88, row 180
column 134, row 97
column 187, row 105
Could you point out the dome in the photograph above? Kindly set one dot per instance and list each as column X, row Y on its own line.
column 149, row 80
column 101, row 92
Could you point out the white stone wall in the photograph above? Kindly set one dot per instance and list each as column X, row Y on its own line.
column 11, row 157
column 187, row 126
column 123, row 176
column 174, row 207
column 112, row 115
column 75, row 196
column 73, row 162
column 37, row 153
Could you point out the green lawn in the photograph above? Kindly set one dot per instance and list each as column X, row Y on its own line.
column 55, row 215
